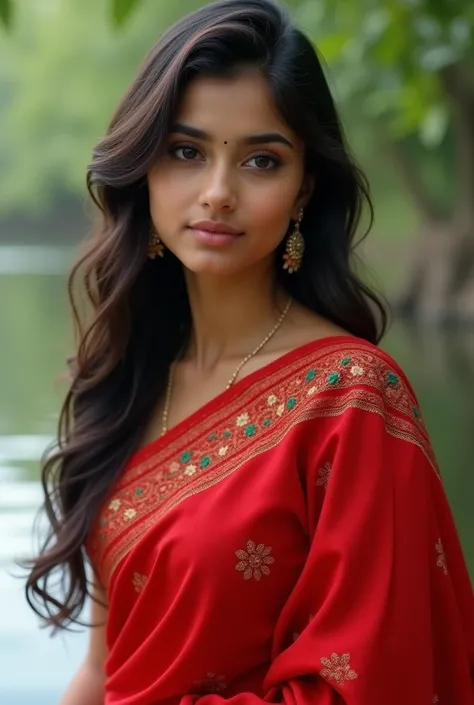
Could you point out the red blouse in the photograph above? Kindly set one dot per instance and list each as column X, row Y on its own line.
column 290, row 542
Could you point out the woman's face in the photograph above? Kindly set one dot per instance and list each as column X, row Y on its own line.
column 231, row 164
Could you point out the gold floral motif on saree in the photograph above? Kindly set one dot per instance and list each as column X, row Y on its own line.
column 211, row 684
column 324, row 474
column 139, row 581
column 322, row 383
column 254, row 561
column 338, row 669
column 441, row 560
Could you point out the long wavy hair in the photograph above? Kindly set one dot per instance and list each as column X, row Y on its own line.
column 131, row 328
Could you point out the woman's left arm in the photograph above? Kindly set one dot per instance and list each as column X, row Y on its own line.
column 383, row 613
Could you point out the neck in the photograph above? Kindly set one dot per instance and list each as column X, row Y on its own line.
column 231, row 316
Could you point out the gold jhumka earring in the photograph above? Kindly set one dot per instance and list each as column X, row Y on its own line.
column 155, row 246
column 294, row 250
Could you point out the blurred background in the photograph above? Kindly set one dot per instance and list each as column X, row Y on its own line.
column 402, row 72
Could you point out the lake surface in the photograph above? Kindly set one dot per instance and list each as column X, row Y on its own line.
column 35, row 340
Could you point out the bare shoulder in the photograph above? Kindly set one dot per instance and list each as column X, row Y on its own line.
column 305, row 326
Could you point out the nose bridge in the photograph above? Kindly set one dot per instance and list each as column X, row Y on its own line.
column 219, row 187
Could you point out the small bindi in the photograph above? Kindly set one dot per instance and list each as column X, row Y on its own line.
column 225, row 141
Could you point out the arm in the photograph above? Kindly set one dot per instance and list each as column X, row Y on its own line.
column 88, row 683
column 383, row 611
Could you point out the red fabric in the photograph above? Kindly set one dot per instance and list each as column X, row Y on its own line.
column 291, row 542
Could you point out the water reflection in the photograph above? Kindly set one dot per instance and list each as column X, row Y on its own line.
column 36, row 340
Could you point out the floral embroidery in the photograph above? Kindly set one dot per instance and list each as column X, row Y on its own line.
column 435, row 700
column 210, row 684
column 254, row 562
column 392, row 379
column 242, row 420
column 346, row 361
column 250, row 430
column 441, row 562
column 324, row 475
column 357, row 371
column 337, row 668
column 139, row 581
column 189, row 464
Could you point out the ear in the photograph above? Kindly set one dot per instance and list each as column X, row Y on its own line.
column 304, row 196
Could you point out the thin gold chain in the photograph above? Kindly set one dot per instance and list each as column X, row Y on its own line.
column 169, row 389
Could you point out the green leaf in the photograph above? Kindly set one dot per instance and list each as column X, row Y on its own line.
column 122, row 9
column 6, row 12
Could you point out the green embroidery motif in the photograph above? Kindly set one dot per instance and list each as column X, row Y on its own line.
column 291, row 403
column 226, row 433
column 205, row 462
column 250, row 430
column 334, row 378
column 310, row 375
column 416, row 412
column 185, row 457
column 213, row 437
column 139, row 492
column 346, row 361
column 267, row 422
column 392, row 379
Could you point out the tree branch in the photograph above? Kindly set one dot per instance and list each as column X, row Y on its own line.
column 415, row 186
column 458, row 85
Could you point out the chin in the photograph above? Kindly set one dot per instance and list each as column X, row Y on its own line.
column 220, row 266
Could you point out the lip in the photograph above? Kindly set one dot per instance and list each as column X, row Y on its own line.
column 213, row 226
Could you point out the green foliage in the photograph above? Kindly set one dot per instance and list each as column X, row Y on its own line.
column 121, row 9
column 386, row 56
column 6, row 12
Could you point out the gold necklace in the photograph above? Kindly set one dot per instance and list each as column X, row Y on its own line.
column 169, row 389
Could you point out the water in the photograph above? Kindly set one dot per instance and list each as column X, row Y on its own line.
column 34, row 345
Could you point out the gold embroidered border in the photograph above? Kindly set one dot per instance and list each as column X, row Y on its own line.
column 309, row 388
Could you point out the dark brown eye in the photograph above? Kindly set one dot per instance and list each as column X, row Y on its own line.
column 263, row 162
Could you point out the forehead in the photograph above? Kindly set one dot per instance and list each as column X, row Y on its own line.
column 232, row 107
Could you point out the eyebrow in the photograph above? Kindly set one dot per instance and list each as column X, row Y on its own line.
column 264, row 138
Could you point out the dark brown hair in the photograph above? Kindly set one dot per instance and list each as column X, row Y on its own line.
column 138, row 315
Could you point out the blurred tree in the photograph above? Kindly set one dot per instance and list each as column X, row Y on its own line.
column 407, row 68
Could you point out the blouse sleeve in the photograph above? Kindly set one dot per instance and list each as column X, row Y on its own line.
column 383, row 611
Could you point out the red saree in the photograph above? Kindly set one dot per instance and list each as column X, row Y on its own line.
column 290, row 542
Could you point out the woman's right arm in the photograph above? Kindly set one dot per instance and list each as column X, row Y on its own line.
column 87, row 685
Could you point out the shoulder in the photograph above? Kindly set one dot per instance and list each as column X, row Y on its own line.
column 347, row 372
column 351, row 380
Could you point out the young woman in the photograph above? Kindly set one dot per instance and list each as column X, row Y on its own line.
column 245, row 471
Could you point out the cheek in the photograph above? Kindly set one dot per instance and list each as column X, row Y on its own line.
column 270, row 207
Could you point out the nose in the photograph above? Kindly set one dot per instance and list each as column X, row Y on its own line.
column 219, row 188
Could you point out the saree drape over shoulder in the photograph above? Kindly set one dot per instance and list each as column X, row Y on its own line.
column 290, row 542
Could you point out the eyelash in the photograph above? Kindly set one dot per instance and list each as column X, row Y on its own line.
column 187, row 145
